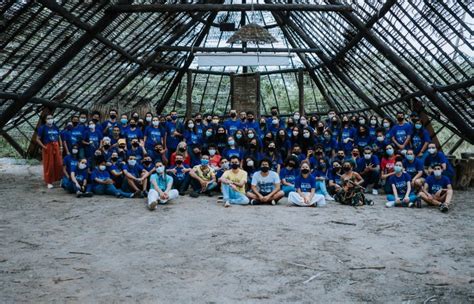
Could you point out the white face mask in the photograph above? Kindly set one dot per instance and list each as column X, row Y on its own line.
column 367, row 156
column 373, row 122
column 75, row 151
column 380, row 138
column 306, row 135
column 101, row 167
column 438, row 172
column 362, row 122
column 212, row 152
column 132, row 162
column 275, row 121
column 432, row 150
column 296, row 116
column 92, row 127
column 250, row 135
column 148, row 119
column 160, row 169
column 303, row 122
column 386, row 125
column 156, row 123
column 295, row 134
column 82, row 166
column 191, row 125
column 82, row 120
column 331, row 116
column 50, row 121
column 250, row 163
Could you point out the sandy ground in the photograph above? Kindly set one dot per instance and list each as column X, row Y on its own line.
column 57, row 248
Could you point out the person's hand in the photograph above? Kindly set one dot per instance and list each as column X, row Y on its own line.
column 173, row 171
column 346, row 140
column 175, row 133
column 163, row 196
column 406, row 199
column 163, row 151
column 234, row 187
column 305, row 200
column 78, row 186
column 397, row 200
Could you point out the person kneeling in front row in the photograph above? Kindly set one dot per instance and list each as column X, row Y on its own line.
column 305, row 185
column 160, row 187
column 233, row 184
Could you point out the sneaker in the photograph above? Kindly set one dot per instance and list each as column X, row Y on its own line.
column 220, row 201
column 152, row 205
column 443, row 208
column 411, row 205
column 227, row 204
column 328, row 197
column 209, row 194
column 137, row 194
column 144, row 193
column 78, row 194
column 194, row 194
column 88, row 194
column 50, row 186
column 252, row 202
column 182, row 193
column 273, row 203
column 118, row 195
column 418, row 202
column 390, row 204
column 220, row 197
column 375, row 192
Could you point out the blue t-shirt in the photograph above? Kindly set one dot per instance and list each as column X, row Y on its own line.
column 171, row 140
column 76, row 135
column 362, row 162
column 180, row 175
column 228, row 152
column 153, row 136
column 138, row 153
column 435, row 184
column 192, row 138
column 329, row 146
column 305, row 184
column 439, row 158
column 135, row 170
column 130, row 134
column 81, row 174
column 419, row 139
column 289, row 175
column 232, row 126
column 349, row 132
column 48, row 134
column 94, row 139
column 413, row 167
column 70, row 162
column 400, row 182
column 335, row 178
column 100, row 175
column 401, row 132
column 363, row 141
column 110, row 129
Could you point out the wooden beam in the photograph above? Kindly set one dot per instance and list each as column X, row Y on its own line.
column 189, row 94
column 41, row 101
column 175, row 8
column 55, row 68
column 13, row 143
column 405, row 68
column 177, row 79
column 301, row 91
column 236, row 50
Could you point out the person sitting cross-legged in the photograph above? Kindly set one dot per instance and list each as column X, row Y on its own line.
column 233, row 184
column 401, row 186
column 79, row 176
column 203, row 178
column 103, row 184
column 305, row 185
column 160, row 187
column 265, row 185
column 437, row 190
column 135, row 177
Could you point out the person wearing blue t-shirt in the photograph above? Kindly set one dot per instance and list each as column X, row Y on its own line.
column 103, row 184
column 288, row 175
column 369, row 168
column 348, row 134
column 132, row 132
column 79, row 180
column 109, row 124
column 437, row 157
column 232, row 124
column 137, row 149
column 305, row 185
column 191, row 135
column 335, row 181
column 173, row 134
column 232, row 149
column 414, row 167
column 363, row 139
column 329, row 144
column 153, row 135
column 401, row 133
column 115, row 168
column 91, row 140
column 437, row 190
column 70, row 161
column 180, row 175
column 401, row 187
column 135, row 177
column 251, row 123
column 420, row 139
column 158, row 154
column 321, row 174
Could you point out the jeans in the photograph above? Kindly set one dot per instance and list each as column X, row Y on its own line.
column 370, row 178
column 287, row 189
column 153, row 196
column 391, row 197
column 111, row 190
column 181, row 185
column 321, row 188
column 197, row 186
column 75, row 189
column 234, row 197
column 296, row 199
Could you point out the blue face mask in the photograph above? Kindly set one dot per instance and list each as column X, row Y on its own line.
column 418, row 126
column 239, row 136
column 208, row 133
column 124, row 121
column 410, row 157
column 250, row 135
column 173, row 117
column 231, row 142
column 398, row 169
column 389, row 152
column 204, row 162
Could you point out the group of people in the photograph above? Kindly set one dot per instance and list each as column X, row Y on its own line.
column 248, row 159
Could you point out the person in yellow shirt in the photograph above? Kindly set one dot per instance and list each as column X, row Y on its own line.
column 233, row 184
column 203, row 178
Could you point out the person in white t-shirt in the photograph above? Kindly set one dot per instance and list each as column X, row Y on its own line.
column 265, row 186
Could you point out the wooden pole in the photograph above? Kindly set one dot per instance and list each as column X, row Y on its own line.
column 189, row 94
column 301, row 91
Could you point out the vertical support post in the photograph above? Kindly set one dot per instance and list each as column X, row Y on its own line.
column 189, row 94
column 257, row 101
column 301, row 91
column 232, row 88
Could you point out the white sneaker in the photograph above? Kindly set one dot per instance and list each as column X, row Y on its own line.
column 390, row 204
column 273, row 203
column 50, row 186
column 152, row 205
column 328, row 197
column 227, row 204
column 375, row 192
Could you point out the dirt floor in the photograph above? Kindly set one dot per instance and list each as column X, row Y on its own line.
column 57, row 248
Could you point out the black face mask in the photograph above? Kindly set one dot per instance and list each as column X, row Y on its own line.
column 178, row 162
column 400, row 119
column 322, row 166
column 305, row 171
column 340, row 156
column 271, row 149
column 198, row 120
column 209, row 120
column 234, row 166
column 253, row 146
column 233, row 115
column 114, row 159
column 146, row 163
column 335, row 170
column 290, row 124
column 135, row 144
column 346, row 169
column 291, row 165
column 265, row 169
column 320, row 129
column 262, row 124
column 274, row 113
column 182, row 149
column 106, row 147
column 135, row 117
column 133, row 125
column 250, row 119
column 75, row 123
column 113, row 116
column 95, row 120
